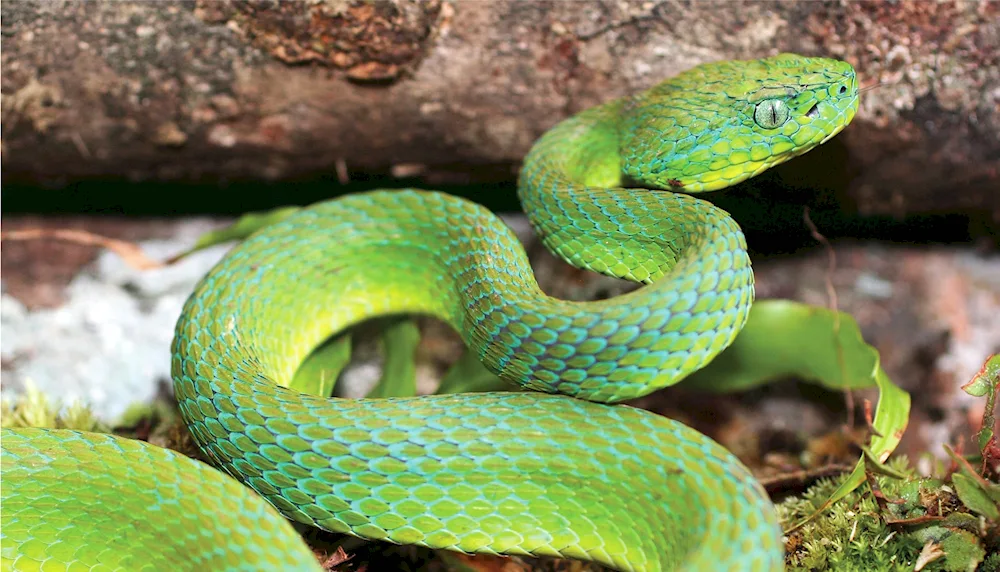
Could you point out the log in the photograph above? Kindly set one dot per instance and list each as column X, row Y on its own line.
column 448, row 91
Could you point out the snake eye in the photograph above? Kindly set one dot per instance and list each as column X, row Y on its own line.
column 771, row 113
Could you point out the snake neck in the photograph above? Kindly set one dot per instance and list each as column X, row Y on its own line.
column 571, row 190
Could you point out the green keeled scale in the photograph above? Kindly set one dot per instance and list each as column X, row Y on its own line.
column 515, row 473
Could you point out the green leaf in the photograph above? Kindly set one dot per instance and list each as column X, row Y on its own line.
column 974, row 497
column 786, row 339
column 986, row 380
column 891, row 417
column 991, row 490
column 318, row 373
column 399, row 371
column 986, row 383
column 962, row 552
column 469, row 375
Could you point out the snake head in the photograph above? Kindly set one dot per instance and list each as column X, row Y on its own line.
column 721, row 123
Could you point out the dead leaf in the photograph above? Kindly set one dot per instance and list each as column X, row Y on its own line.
column 929, row 553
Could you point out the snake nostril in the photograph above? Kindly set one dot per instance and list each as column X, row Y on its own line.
column 813, row 111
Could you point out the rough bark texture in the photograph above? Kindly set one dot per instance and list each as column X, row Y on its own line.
column 212, row 91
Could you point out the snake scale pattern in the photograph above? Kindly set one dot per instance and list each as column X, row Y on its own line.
column 556, row 471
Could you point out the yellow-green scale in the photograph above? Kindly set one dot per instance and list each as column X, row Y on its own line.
column 518, row 473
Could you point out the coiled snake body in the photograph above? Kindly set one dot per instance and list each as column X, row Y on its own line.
column 508, row 473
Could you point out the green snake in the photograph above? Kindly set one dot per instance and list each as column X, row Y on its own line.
column 559, row 471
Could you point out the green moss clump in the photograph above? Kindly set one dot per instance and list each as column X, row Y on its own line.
column 853, row 536
column 33, row 409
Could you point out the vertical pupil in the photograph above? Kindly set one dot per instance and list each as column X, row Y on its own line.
column 774, row 113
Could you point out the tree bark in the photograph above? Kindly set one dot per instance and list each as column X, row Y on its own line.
column 459, row 89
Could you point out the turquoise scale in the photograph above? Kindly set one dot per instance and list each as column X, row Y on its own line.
column 567, row 475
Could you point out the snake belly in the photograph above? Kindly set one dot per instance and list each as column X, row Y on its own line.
column 558, row 471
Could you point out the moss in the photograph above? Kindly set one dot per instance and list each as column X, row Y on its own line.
column 853, row 535
column 33, row 409
column 991, row 563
